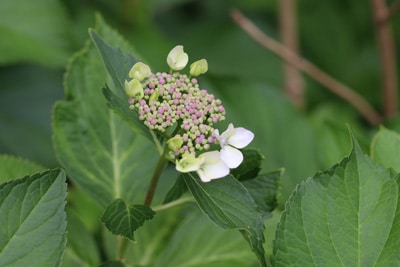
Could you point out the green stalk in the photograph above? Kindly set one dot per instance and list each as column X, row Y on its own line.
column 123, row 242
column 154, row 179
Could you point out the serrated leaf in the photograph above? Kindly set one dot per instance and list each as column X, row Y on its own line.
column 228, row 204
column 33, row 220
column 118, row 64
column 385, row 148
column 264, row 189
column 27, row 38
column 347, row 216
column 13, row 167
column 250, row 167
column 123, row 219
column 120, row 107
column 99, row 151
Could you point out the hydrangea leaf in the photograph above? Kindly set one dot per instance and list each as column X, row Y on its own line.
column 250, row 167
column 123, row 219
column 13, row 167
column 177, row 190
column 346, row 216
column 33, row 221
column 264, row 189
column 385, row 149
column 99, row 151
column 118, row 65
column 228, row 204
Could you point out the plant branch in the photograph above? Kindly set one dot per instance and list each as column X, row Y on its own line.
column 154, row 179
column 387, row 56
column 307, row 67
column 288, row 30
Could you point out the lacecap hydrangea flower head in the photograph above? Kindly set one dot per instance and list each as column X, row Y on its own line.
column 174, row 105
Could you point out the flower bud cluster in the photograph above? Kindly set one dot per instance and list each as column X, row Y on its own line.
column 175, row 99
column 163, row 100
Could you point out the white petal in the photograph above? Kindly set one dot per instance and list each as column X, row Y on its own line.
column 231, row 156
column 213, row 167
column 241, row 138
column 229, row 132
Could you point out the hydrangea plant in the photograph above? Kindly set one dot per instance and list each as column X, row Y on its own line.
column 180, row 117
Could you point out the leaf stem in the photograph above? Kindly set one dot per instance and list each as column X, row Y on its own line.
column 122, row 246
column 173, row 203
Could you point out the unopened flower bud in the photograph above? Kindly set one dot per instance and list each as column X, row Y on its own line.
column 188, row 163
column 140, row 71
column 134, row 88
column 198, row 67
column 177, row 58
column 175, row 143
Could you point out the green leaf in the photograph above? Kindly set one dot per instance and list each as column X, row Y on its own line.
column 33, row 222
column 250, row 167
column 123, row 219
column 99, row 151
column 81, row 248
column 228, row 204
column 264, row 189
column 112, row 264
column 197, row 242
column 177, row 190
column 34, row 31
column 347, row 216
column 13, row 167
column 118, row 64
column 385, row 149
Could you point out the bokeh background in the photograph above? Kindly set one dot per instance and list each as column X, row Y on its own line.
column 37, row 38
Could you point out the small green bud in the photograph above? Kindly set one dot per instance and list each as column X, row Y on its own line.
column 177, row 58
column 134, row 88
column 198, row 67
column 154, row 96
column 175, row 143
column 140, row 71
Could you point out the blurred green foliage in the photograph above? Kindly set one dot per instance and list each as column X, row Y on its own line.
column 38, row 37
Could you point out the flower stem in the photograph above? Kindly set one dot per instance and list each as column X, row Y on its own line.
column 154, row 179
column 123, row 242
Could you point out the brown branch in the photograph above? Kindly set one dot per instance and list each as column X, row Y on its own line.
column 292, row 77
column 307, row 67
column 387, row 57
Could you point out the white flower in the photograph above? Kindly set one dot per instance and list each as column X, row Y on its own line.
column 208, row 165
column 177, row 58
column 230, row 141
